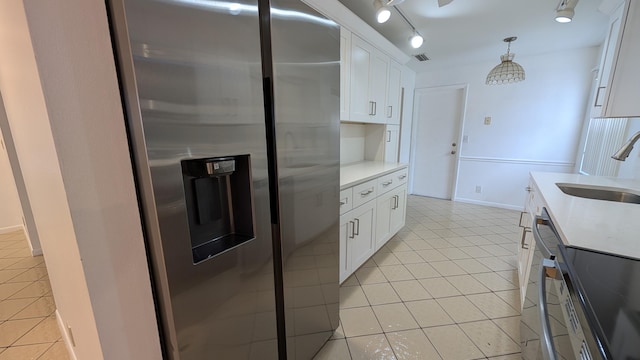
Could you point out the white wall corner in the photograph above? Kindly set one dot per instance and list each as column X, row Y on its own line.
column 68, row 342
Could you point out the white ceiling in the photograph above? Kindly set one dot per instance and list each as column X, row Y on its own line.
column 471, row 31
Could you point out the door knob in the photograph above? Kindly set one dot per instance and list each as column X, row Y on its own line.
column 454, row 144
column 453, row 152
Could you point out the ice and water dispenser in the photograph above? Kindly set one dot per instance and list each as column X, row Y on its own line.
column 219, row 208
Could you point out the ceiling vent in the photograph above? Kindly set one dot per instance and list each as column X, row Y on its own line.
column 421, row 57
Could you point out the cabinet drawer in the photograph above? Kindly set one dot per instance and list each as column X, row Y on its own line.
column 391, row 181
column 386, row 183
column 346, row 200
column 401, row 176
column 364, row 192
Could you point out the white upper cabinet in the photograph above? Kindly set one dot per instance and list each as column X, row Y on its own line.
column 394, row 94
column 621, row 99
column 369, row 71
column 373, row 82
column 606, row 61
column 345, row 60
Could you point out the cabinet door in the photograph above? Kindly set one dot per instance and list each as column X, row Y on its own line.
column 606, row 62
column 378, row 86
column 345, row 66
column 398, row 209
column 394, row 92
column 624, row 83
column 361, row 105
column 383, row 218
column 362, row 244
column 391, row 143
column 346, row 229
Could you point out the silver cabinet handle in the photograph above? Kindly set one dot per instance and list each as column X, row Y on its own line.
column 524, row 245
column 546, row 341
column 388, row 136
column 345, row 202
column 396, row 200
column 387, row 183
column 521, row 215
column 375, row 107
column 453, row 152
column 389, row 111
column 356, row 230
column 365, row 193
column 371, row 111
column 401, row 177
column 528, row 188
column 353, row 227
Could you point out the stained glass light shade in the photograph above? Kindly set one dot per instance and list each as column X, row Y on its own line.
column 506, row 72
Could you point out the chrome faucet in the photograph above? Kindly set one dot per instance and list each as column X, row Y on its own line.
column 624, row 151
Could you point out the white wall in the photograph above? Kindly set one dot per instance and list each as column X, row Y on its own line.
column 61, row 96
column 10, row 211
column 535, row 124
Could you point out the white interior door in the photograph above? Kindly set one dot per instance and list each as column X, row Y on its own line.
column 438, row 112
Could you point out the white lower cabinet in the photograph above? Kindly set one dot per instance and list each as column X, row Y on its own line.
column 357, row 236
column 527, row 244
column 391, row 214
column 378, row 213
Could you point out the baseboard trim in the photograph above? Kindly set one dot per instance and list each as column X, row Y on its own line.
column 488, row 203
column 9, row 229
column 65, row 336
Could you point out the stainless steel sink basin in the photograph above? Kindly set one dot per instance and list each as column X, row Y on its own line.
column 600, row 192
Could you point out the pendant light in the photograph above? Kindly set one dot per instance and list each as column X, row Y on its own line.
column 507, row 71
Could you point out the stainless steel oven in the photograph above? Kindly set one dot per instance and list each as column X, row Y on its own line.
column 554, row 324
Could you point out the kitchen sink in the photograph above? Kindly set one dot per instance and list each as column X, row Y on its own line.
column 600, row 192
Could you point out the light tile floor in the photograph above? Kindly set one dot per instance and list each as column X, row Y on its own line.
column 28, row 327
column 445, row 287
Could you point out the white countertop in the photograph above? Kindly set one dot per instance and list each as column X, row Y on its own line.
column 355, row 173
column 606, row 226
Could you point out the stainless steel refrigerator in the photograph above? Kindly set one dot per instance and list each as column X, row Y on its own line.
column 233, row 117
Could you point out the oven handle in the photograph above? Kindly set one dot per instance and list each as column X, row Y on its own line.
column 536, row 235
column 546, row 342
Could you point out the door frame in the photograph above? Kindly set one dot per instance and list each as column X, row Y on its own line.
column 461, row 124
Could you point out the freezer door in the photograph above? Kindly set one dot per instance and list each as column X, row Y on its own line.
column 306, row 61
column 191, row 72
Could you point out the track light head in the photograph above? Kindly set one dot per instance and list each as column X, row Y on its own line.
column 564, row 16
column 383, row 13
column 416, row 40
column 565, row 10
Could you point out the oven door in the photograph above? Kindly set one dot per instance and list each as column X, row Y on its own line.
column 543, row 326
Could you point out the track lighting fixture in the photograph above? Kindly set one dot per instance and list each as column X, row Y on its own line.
column 383, row 13
column 416, row 40
column 565, row 10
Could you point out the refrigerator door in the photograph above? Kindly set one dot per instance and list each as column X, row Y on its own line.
column 191, row 72
column 306, row 61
